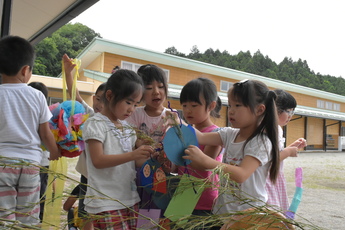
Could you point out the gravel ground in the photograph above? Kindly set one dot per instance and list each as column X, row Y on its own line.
column 323, row 200
column 323, row 197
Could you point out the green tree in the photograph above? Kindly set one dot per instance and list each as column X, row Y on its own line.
column 70, row 39
column 194, row 53
column 173, row 51
column 288, row 70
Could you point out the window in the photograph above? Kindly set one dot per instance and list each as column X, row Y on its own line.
column 329, row 105
column 225, row 85
column 320, row 104
column 130, row 66
column 336, row 107
column 135, row 67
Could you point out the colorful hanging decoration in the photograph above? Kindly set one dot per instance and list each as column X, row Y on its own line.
column 68, row 118
column 296, row 200
column 159, row 185
column 67, row 127
column 152, row 176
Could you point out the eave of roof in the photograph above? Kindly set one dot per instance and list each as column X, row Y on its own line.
column 175, row 91
column 36, row 20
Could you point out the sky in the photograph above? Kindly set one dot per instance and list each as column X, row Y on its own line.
column 311, row 30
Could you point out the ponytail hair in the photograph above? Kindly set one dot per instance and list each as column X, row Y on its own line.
column 252, row 93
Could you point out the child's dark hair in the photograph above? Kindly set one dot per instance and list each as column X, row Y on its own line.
column 123, row 83
column 39, row 86
column 202, row 88
column 15, row 52
column 150, row 73
column 101, row 87
column 252, row 93
column 284, row 100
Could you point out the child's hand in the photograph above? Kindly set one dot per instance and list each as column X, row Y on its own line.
column 299, row 143
column 198, row 158
column 55, row 155
column 143, row 152
column 303, row 143
column 68, row 65
column 171, row 119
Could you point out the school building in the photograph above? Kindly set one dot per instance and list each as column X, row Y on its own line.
column 319, row 116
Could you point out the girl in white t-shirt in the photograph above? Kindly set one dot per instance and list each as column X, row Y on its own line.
column 251, row 147
column 112, row 194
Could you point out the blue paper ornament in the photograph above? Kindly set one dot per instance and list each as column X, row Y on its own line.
column 176, row 140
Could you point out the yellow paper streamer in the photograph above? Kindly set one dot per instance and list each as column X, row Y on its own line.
column 58, row 168
column 77, row 63
column 54, row 194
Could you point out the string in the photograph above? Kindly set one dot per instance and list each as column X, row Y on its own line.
column 174, row 111
column 186, row 171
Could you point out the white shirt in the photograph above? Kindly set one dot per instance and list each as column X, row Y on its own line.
column 22, row 110
column 254, row 186
column 118, row 182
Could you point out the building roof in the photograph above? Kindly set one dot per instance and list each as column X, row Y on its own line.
column 175, row 91
column 36, row 19
column 100, row 45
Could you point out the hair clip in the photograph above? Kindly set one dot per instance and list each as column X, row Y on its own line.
column 240, row 83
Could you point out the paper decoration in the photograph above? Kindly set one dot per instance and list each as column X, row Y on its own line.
column 176, row 140
column 154, row 181
column 148, row 219
column 54, row 194
column 67, row 127
column 296, row 200
column 159, row 181
column 185, row 197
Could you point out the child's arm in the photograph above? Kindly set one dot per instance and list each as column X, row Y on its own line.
column 212, row 138
column 237, row 173
column 69, row 202
column 100, row 160
column 48, row 140
column 69, row 66
column 292, row 150
column 212, row 151
column 288, row 152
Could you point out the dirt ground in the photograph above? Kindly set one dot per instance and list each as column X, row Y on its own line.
column 323, row 197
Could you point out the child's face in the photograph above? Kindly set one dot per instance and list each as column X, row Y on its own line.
column 241, row 116
column 154, row 95
column 284, row 117
column 195, row 113
column 124, row 108
column 97, row 102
